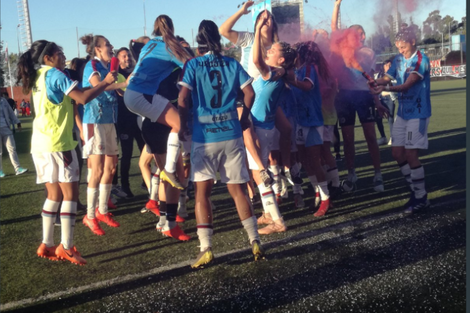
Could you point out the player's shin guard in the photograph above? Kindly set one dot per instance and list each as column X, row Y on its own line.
column 49, row 212
column 105, row 192
column 68, row 213
column 417, row 179
column 406, row 171
column 92, row 199
column 173, row 152
column 251, row 227
column 269, row 202
column 204, row 233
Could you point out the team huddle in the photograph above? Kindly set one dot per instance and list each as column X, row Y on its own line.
column 208, row 117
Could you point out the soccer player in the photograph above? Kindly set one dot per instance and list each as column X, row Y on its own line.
column 101, row 146
column 309, row 132
column 213, row 81
column 268, row 88
column 411, row 69
column 354, row 97
column 388, row 100
column 156, row 62
column 52, row 145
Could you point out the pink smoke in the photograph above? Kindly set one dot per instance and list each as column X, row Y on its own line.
column 345, row 43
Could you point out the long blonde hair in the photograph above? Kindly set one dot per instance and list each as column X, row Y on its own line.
column 163, row 26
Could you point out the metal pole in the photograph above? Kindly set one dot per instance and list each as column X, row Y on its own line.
column 461, row 53
column 78, row 46
column 18, row 39
column 9, row 73
column 145, row 21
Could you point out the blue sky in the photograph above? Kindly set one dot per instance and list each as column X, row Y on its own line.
column 122, row 20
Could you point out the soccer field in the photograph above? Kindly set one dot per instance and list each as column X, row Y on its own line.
column 365, row 255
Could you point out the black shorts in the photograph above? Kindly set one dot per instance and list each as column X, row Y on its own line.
column 155, row 136
column 348, row 102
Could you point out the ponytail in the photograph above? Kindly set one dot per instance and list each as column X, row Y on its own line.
column 163, row 26
column 91, row 42
column 31, row 61
column 208, row 38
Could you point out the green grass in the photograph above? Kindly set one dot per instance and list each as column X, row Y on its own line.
column 361, row 256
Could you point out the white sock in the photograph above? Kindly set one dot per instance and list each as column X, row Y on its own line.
column 323, row 188
column 275, row 170
column 333, row 176
column 406, row 171
column 49, row 212
column 88, row 174
column 172, row 152
column 154, row 183
column 204, row 232
column 296, row 188
column 67, row 223
column 269, row 202
column 314, row 182
column 105, row 192
column 251, row 228
column 92, row 199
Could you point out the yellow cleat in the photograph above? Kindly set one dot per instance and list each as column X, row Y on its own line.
column 171, row 179
column 203, row 258
column 257, row 250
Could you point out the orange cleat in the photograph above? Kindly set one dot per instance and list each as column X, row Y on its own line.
column 177, row 233
column 94, row 225
column 106, row 218
column 111, row 205
column 71, row 255
column 45, row 252
column 324, row 206
column 179, row 219
column 153, row 207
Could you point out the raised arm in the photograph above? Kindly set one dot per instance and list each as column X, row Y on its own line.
column 257, row 46
column 226, row 28
column 334, row 17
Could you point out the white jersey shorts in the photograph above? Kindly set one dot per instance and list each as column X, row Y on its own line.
column 147, row 106
column 411, row 134
column 309, row 136
column 100, row 139
column 56, row 167
column 265, row 138
column 328, row 133
column 226, row 157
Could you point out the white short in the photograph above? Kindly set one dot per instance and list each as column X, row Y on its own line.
column 411, row 134
column 309, row 136
column 328, row 133
column 226, row 157
column 144, row 105
column 100, row 139
column 53, row 167
column 265, row 138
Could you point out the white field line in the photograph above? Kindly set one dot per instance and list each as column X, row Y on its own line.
column 157, row 270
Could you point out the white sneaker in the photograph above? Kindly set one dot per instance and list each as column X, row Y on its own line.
column 117, row 191
column 378, row 183
column 382, row 141
column 390, row 141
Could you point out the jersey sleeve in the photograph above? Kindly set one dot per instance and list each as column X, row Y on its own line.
column 243, row 76
column 245, row 39
column 392, row 71
column 88, row 72
column 58, row 85
column 189, row 75
column 422, row 66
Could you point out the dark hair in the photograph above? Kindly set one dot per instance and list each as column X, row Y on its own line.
column 163, row 26
column 78, row 66
column 122, row 49
column 309, row 53
column 31, row 60
column 208, row 38
column 275, row 35
column 288, row 53
column 91, row 42
column 406, row 35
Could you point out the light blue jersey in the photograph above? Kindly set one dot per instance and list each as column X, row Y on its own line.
column 308, row 102
column 214, row 82
column 268, row 93
column 155, row 64
column 416, row 102
column 102, row 109
column 287, row 103
column 58, row 84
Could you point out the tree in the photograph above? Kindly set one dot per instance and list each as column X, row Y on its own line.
column 13, row 60
column 2, row 64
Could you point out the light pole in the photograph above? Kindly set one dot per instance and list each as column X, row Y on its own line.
column 18, row 38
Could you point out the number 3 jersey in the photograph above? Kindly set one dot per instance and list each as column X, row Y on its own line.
column 416, row 102
column 214, row 81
